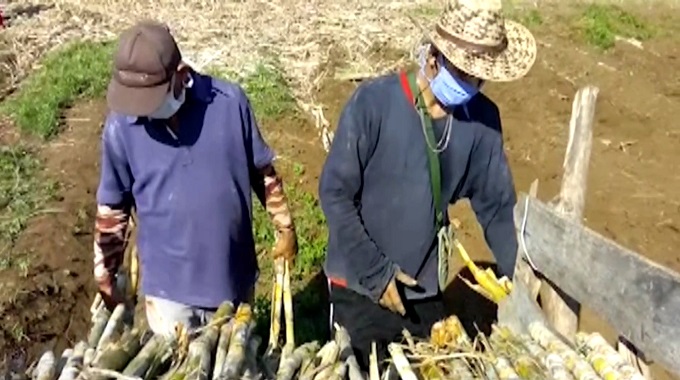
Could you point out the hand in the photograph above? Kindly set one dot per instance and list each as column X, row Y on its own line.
column 390, row 298
column 286, row 246
column 110, row 295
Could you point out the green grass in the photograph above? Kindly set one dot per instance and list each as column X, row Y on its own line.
column 601, row 24
column 266, row 87
column 22, row 194
column 531, row 18
column 80, row 69
column 76, row 70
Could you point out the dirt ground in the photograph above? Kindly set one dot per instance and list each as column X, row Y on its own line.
column 48, row 305
column 632, row 190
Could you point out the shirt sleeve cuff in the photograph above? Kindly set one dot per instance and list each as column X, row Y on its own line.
column 106, row 197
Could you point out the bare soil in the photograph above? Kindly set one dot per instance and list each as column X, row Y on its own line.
column 49, row 305
column 632, row 190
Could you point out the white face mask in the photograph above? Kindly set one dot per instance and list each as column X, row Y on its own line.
column 171, row 105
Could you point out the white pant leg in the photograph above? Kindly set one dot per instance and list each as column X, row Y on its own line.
column 164, row 315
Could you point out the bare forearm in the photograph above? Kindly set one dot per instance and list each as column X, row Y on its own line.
column 109, row 242
column 276, row 202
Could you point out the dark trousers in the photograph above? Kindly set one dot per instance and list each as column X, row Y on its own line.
column 367, row 321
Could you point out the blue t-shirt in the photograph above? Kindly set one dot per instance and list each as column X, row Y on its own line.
column 192, row 193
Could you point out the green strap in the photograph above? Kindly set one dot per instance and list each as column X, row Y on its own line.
column 432, row 157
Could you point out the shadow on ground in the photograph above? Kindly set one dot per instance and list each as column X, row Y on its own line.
column 476, row 313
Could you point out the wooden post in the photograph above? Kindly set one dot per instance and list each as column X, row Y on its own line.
column 561, row 310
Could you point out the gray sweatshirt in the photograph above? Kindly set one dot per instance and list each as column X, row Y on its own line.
column 376, row 194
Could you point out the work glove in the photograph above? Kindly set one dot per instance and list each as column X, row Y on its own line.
column 286, row 246
column 390, row 298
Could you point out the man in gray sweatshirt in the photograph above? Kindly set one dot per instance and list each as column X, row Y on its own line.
column 408, row 145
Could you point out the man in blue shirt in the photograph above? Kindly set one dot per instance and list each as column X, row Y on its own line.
column 406, row 147
column 185, row 150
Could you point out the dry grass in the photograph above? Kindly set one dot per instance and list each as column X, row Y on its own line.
column 232, row 35
column 237, row 35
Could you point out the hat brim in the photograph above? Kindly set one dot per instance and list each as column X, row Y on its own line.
column 135, row 101
column 512, row 63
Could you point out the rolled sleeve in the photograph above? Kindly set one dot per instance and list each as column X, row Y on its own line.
column 115, row 182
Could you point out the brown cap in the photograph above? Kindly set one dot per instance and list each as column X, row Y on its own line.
column 143, row 67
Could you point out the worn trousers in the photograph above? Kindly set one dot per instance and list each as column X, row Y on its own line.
column 366, row 321
column 164, row 315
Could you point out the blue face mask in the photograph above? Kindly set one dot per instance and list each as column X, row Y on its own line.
column 449, row 89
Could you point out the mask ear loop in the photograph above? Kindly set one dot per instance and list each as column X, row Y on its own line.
column 421, row 51
column 189, row 81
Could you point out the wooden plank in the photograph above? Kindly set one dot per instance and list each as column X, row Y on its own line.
column 640, row 298
column 519, row 309
column 563, row 311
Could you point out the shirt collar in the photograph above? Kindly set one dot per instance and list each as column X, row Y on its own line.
column 200, row 90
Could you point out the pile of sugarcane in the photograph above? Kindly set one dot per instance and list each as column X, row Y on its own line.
column 541, row 354
column 225, row 349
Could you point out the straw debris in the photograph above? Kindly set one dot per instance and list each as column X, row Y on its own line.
column 234, row 36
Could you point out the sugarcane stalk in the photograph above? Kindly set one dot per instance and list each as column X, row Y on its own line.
column 307, row 366
column 291, row 363
column 327, row 357
column 311, row 366
column 487, row 280
column 347, row 353
column 504, row 369
column 74, row 363
column 134, row 270
column 461, row 370
column 511, row 346
column 400, row 362
column 153, row 349
column 97, row 303
column 326, row 371
column 288, row 309
column 46, row 367
column 387, row 375
column 99, row 320
column 159, row 365
column 598, row 350
column 193, row 368
column 199, row 360
column 373, row 372
column 222, row 348
column 116, row 355
column 340, row 370
column 113, row 326
column 573, row 362
column 277, row 299
column 63, row 359
column 89, row 356
column 552, row 362
column 251, row 371
column 105, row 374
column 233, row 363
column 490, row 372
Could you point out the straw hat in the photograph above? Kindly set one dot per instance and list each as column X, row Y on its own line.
column 475, row 37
